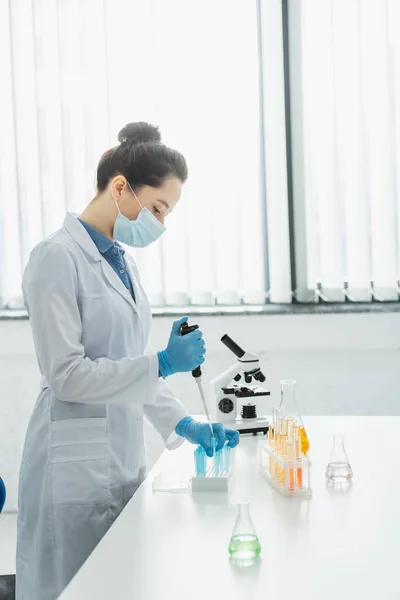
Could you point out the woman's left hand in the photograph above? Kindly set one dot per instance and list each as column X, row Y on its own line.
column 200, row 433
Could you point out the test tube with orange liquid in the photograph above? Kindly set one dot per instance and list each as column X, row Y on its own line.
column 297, row 450
column 283, row 448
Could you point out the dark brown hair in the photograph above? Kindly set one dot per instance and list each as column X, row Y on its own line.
column 142, row 158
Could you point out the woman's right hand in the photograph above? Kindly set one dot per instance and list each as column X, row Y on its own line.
column 183, row 352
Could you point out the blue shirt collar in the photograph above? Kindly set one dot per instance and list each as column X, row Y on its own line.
column 102, row 242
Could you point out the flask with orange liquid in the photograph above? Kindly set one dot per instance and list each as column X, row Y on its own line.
column 288, row 410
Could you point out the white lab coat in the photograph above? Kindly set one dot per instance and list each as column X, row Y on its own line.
column 84, row 453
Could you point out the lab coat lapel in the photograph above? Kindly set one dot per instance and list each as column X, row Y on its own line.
column 134, row 281
column 78, row 232
column 81, row 236
column 116, row 282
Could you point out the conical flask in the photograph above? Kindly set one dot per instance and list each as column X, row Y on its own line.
column 338, row 469
column 288, row 410
column 244, row 544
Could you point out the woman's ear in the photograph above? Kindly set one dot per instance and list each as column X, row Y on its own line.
column 117, row 185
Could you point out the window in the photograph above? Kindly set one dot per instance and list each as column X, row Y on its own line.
column 287, row 113
column 345, row 99
column 74, row 72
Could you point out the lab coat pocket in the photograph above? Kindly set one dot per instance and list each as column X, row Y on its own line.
column 79, row 461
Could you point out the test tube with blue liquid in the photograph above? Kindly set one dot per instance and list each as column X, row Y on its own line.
column 220, row 462
column 200, row 461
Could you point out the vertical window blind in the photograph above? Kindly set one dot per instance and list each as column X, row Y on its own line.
column 287, row 113
column 345, row 91
column 74, row 72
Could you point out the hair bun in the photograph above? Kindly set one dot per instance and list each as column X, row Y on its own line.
column 137, row 133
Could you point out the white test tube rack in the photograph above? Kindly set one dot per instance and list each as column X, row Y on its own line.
column 214, row 479
column 290, row 477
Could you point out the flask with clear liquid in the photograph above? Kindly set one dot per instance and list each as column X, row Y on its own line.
column 288, row 410
column 338, row 469
column 244, row 544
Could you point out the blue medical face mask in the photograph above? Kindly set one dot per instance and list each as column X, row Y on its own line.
column 139, row 233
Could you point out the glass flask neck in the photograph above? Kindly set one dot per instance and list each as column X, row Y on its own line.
column 244, row 524
column 338, row 453
column 288, row 405
column 243, row 510
column 338, row 440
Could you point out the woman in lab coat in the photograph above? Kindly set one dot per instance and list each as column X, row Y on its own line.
column 84, row 455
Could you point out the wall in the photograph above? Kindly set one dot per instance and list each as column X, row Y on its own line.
column 344, row 364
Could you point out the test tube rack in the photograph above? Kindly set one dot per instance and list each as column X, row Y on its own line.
column 212, row 474
column 282, row 463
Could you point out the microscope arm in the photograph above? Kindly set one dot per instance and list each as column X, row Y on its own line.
column 248, row 362
column 224, row 378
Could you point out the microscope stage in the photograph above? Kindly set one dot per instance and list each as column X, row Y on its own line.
column 260, row 424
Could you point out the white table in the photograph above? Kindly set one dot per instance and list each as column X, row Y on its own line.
column 341, row 544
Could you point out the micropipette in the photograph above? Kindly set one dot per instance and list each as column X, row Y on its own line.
column 186, row 328
column 203, row 399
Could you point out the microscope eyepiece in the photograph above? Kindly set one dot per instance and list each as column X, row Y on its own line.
column 260, row 376
column 233, row 347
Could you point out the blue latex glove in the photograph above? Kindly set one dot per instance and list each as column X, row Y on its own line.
column 200, row 433
column 183, row 352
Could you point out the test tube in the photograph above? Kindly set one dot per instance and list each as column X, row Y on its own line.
column 291, row 461
column 284, row 435
column 277, row 447
column 223, row 461
column 227, row 451
column 200, row 461
column 283, row 471
column 283, row 448
column 290, row 429
column 271, row 431
column 271, row 440
column 217, row 463
column 297, row 447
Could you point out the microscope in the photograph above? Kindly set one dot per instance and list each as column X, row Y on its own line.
column 234, row 387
